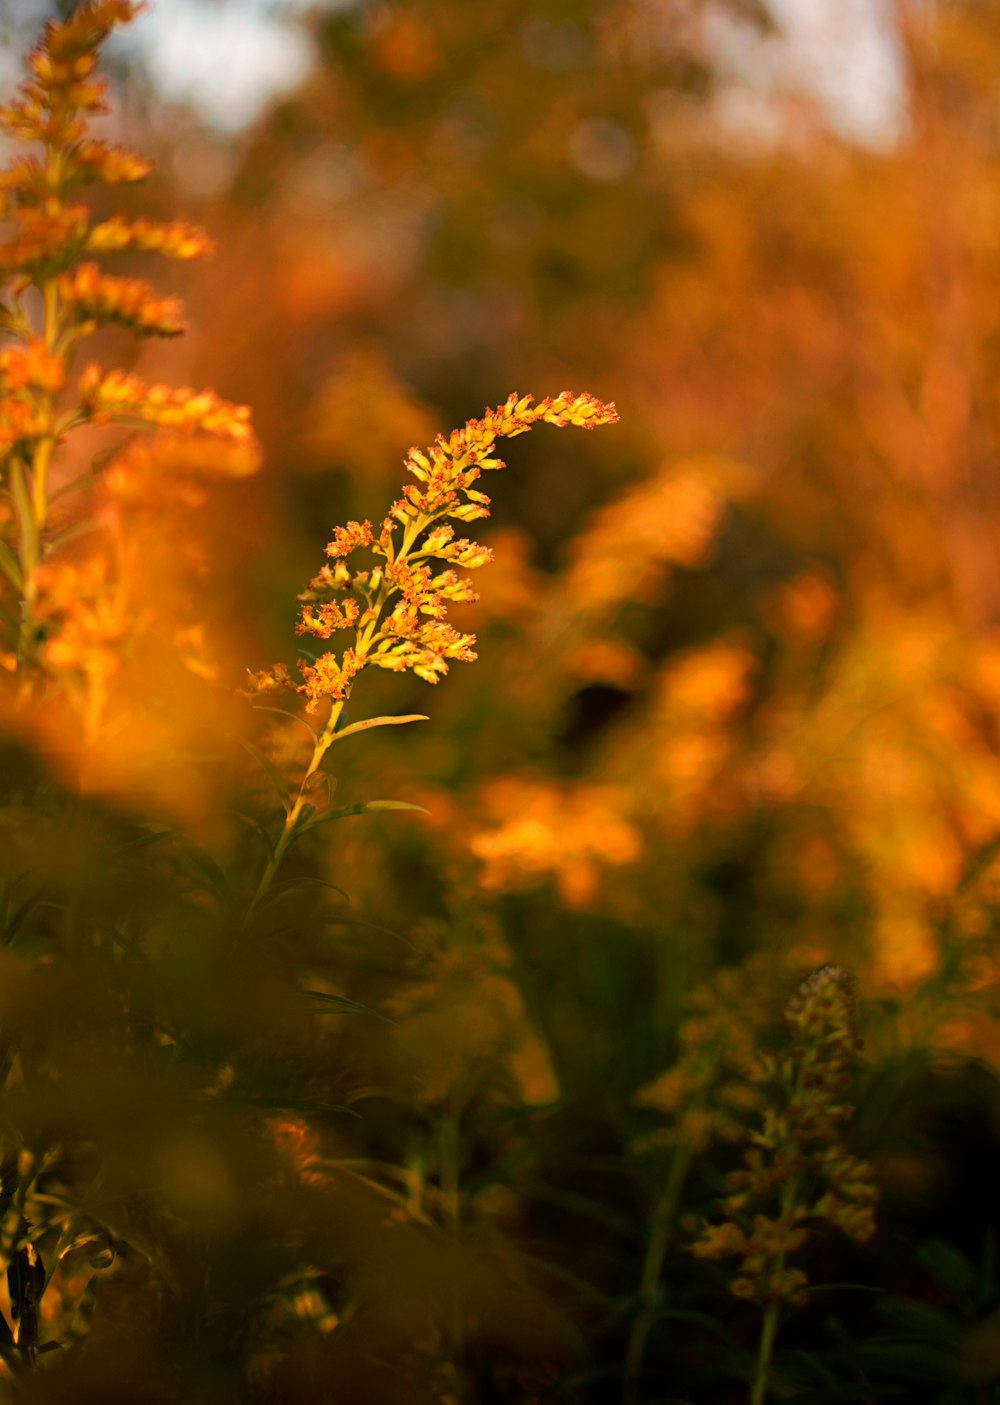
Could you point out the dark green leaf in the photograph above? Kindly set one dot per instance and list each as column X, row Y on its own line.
column 363, row 807
column 948, row 1266
column 259, row 831
column 302, row 885
column 153, row 834
column 334, row 919
column 272, row 773
column 340, row 1005
column 205, row 867
column 927, row 1324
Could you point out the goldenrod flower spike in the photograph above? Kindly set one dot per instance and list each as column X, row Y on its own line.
column 397, row 607
column 398, row 610
column 51, row 248
column 797, row 1172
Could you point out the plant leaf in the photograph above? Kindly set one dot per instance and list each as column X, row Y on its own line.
column 273, row 774
column 205, row 866
column 302, row 885
column 363, row 807
column 284, row 712
column 378, row 722
column 340, row 1005
column 153, row 834
column 260, row 832
column 11, row 567
column 335, row 918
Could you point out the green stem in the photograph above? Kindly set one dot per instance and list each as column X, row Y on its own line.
column 323, row 743
column 769, row 1328
column 659, row 1239
column 32, row 509
column 767, row 1335
column 325, row 740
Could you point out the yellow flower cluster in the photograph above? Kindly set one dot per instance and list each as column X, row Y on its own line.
column 797, row 1173
column 60, row 86
column 461, row 1029
column 31, row 367
column 705, row 1094
column 398, row 609
column 50, row 231
column 95, row 299
column 174, row 240
column 151, row 471
column 118, row 395
column 537, row 829
column 56, row 295
column 85, row 617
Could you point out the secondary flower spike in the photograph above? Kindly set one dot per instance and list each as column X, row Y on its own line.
column 55, row 293
column 398, row 607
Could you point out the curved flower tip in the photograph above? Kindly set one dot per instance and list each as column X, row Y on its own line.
column 398, row 610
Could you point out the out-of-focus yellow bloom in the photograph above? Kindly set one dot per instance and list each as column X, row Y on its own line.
column 115, row 394
column 86, row 603
column 539, row 830
column 462, row 1029
column 95, row 299
column 175, row 240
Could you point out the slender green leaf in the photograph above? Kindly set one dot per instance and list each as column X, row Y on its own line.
column 909, row 1359
column 363, row 807
column 284, row 712
column 321, row 779
column 949, row 1266
column 154, row 833
column 206, row 867
column 301, row 885
column 78, row 529
column 334, row 919
column 572, row 1202
column 926, row 1324
column 273, row 774
column 699, row 1319
column 11, row 567
column 17, row 915
column 371, row 722
column 340, row 1005
column 259, row 831
column 126, row 944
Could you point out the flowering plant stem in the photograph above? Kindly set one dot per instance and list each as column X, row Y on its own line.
column 322, row 746
column 413, row 633
column 659, row 1240
column 769, row 1327
column 32, row 509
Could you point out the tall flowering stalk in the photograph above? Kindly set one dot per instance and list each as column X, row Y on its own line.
column 73, row 613
column 56, row 294
column 397, row 608
column 797, row 1174
column 701, row 1098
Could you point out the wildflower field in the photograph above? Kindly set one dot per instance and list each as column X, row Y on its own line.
column 617, row 1019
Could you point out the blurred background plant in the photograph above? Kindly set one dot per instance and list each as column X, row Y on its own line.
column 735, row 716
